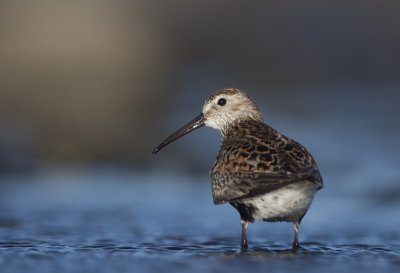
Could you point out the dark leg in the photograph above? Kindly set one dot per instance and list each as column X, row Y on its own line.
column 296, row 236
column 243, row 242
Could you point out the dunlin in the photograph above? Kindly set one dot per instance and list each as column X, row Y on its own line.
column 259, row 171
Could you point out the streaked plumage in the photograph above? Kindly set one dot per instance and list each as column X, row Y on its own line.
column 262, row 173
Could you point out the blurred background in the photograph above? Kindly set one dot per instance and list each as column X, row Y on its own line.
column 89, row 88
column 85, row 82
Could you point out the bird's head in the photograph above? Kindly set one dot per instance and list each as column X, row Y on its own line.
column 220, row 110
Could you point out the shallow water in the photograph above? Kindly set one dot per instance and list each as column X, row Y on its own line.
column 95, row 221
column 199, row 257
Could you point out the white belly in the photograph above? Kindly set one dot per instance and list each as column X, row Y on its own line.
column 285, row 204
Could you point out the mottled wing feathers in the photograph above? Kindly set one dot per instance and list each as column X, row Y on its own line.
column 255, row 159
column 247, row 186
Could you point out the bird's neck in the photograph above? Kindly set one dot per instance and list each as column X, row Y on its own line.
column 235, row 126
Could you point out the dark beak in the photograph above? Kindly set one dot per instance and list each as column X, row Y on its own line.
column 191, row 126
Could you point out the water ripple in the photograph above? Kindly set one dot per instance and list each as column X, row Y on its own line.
column 205, row 248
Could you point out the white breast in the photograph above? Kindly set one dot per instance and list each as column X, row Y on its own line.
column 288, row 203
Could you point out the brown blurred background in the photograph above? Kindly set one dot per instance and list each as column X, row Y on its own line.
column 94, row 82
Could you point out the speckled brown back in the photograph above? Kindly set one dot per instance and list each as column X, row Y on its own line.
column 255, row 159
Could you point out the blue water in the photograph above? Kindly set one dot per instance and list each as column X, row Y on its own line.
column 125, row 221
column 106, row 219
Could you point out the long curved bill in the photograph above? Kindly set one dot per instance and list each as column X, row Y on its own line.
column 186, row 129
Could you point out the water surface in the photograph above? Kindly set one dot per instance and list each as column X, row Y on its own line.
column 119, row 221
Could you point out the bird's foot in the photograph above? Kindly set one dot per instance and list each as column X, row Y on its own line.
column 296, row 246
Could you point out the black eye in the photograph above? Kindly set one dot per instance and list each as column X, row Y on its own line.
column 221, row 102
